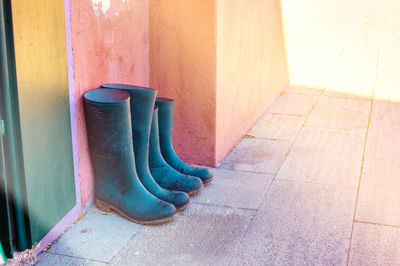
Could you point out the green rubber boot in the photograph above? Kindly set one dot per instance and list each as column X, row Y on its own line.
column 165, row 175
column 117, row 186
column 3, row 258
column 141, row 106
column 165, row 116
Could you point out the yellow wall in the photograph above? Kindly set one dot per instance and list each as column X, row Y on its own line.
column 43, row 95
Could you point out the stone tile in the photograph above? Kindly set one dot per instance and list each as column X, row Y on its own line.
column 277, row 126
column 362, row 93
column 375, row 245
column 348, row 84
column 235, row 189
column 97, row 236
column 379, row 199
column 257, row 155
column 379, row 205
column 54, row 259
column 293, row 104
column 383, row 135
column 340, row 113
column 300, row 224
column 200, row 235
column 304, row 90
column 325, row 157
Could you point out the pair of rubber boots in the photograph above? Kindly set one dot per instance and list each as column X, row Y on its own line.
column 138, row 173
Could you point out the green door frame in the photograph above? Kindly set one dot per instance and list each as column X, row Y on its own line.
column 12, row 133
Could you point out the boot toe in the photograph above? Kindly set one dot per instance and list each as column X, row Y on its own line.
column 203, row 173
column 181, row 199
column 164, row 210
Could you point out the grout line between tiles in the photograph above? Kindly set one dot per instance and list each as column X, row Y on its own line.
column 243, row 235
column 377, row 224
column 245, row 171
column 274, row 178
column 75, row 257
column 223, row 206
column 362, row 164
column 298, row 133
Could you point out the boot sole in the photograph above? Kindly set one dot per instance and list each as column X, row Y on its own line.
column 191, row 193
column 208, row 181
column 108, row 208
column 183, row 207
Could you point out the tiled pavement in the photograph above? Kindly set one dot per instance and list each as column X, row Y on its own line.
column 316, row 183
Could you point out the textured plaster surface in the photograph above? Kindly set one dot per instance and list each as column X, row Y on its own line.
column 251, row 66
column 183, row 67
column 333, row 201
column 111, row 47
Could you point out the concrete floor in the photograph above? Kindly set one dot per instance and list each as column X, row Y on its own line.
column 315, row 182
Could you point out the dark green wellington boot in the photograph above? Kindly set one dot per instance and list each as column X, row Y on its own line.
column 141, row 106
column 117, row 187
column 165, row 116
column 165, row 175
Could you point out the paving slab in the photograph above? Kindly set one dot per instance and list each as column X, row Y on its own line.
column 379, row 199
column 375, row 245
column 304, row 90
column 98, row 236
column 353, row 80
column 200, row 235
column 300, row 224
column 235, row 189
column 293, row 104
column 355, row 91
column 383, row 136
column 277, row 126
column 325, row 157
column 340, row 114
column 54, row 259
column 257, row 155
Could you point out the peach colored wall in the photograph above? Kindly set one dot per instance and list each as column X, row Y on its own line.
column 183, row 67
column 251, row 66
column 110, row 44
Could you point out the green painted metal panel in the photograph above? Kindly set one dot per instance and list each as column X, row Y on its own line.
column 5, row 222
column 13, row 177
column 43, row 98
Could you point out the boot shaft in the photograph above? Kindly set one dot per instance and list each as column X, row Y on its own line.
column 141, row 107
column 165, row 119
column 155, row 157
column 108, row 121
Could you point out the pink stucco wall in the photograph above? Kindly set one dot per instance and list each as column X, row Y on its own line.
column 222, row 61
column 251, row 66
column 183, row 67
column 110, row 44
